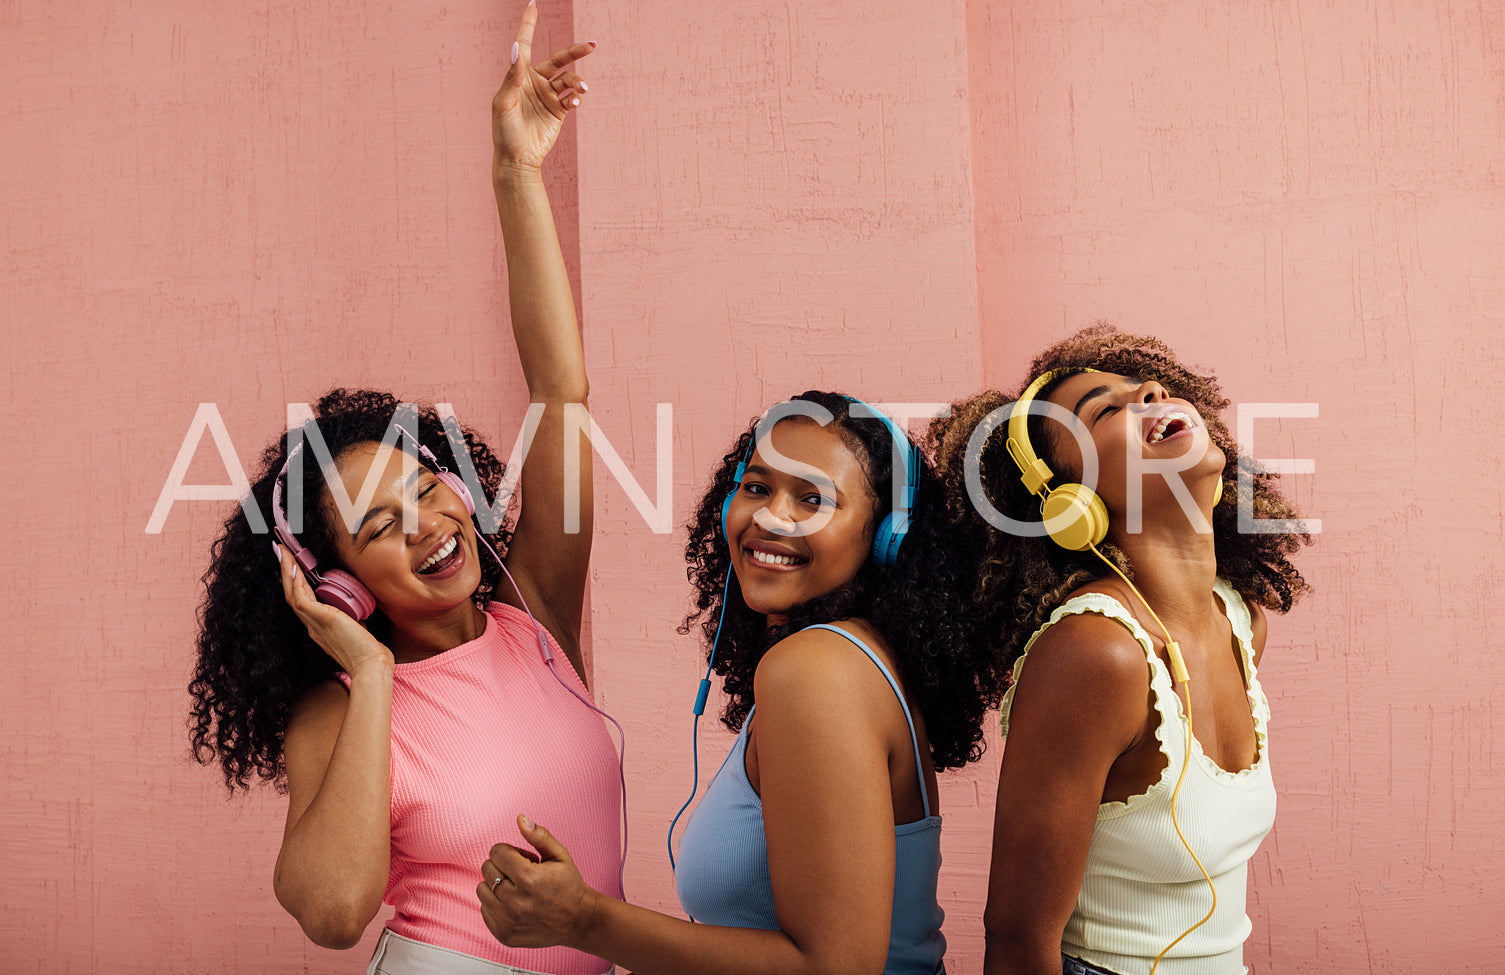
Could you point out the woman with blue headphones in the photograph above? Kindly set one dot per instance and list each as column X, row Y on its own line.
column 408, row 681
column 826, row 590
column 1122, row 835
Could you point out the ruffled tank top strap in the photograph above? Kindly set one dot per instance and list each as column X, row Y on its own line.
column 1242, row 622
column 1103, row 605
column 1239, row 618
column 914, row 740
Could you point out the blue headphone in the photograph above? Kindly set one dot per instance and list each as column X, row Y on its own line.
column 889, row 536
column 886, row 543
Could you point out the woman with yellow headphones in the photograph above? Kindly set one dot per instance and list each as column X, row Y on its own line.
column 1128, row 806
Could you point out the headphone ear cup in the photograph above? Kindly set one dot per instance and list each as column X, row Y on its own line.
column 889, row 537
column 1075, row 517
column 726, row 507
column 345, row 593
column 1217, row 493
column 456, row 483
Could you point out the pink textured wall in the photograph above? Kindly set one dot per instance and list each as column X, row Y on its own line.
column 1308, row 199
column 205, row 203
column 246, row 205
column 775, row 197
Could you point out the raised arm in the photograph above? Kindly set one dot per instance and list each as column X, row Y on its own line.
column 1055, row 766
column 549, row 563
column 826, row 725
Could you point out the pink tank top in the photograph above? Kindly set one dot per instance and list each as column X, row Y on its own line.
column 481, row 733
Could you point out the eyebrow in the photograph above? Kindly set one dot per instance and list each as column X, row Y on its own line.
column 814, row 480
column 384, row 508
column 1094, row 391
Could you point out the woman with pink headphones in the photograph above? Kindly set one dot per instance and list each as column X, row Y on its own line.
column 407, row 686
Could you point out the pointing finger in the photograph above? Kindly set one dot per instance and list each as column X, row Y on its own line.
column 522, row 48
column 568, row 56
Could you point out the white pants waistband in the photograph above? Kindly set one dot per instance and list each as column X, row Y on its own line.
column 396, row 955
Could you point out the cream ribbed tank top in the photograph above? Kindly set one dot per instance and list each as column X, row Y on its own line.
column 1141, row 889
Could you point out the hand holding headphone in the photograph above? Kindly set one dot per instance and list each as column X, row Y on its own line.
column 336, row 587
column 345, row 639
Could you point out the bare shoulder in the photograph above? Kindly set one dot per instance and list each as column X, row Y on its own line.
column 1089, row 653
column 1086, row 658
column 818, row 663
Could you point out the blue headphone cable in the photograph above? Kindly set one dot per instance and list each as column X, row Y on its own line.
column 700, row 699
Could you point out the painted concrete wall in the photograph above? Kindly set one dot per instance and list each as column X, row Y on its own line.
column 1309, row 200
column 205, row 203
column 245, row 206
column 778, row 199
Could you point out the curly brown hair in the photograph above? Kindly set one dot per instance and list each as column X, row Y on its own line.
column 255, row 658
column 1020, row 580
column 919, row 603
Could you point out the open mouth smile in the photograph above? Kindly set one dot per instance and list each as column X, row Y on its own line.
column 446, row 556
column 1168, row 425
column 764, row 555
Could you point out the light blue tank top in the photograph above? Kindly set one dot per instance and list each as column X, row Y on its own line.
column 722, row 870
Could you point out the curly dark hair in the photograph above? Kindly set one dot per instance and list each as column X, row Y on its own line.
column 919, row 603
column 1020, row 580
column 255, row 657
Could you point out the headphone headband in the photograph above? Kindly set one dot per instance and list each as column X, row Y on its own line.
column 337, row 587
column 1033, row 471
column 895, row 525
column 890, row 533
column 1074, row 515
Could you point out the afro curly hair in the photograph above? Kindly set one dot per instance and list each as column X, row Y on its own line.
column 255, row 658
column 1018, row 581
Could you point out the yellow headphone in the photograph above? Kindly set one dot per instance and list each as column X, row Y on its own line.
column 1076, row 519
column 1075, row 516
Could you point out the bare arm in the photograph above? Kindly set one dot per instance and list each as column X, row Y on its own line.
column 336, row 846
column 549, row 563
column 825, row 729
column 1051, row 782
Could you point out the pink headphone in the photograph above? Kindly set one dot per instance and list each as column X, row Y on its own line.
column 336, row 587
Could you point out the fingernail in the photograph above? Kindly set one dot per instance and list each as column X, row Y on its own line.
column 527, row 823
column 277, row 551
column 591, row 43
column 514, row 52
column 584, row 86
column 574, row 103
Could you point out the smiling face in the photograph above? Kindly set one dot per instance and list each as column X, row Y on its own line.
column 780, row 556
column 424, row 572
column 1135, row 427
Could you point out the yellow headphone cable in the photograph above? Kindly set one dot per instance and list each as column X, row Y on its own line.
column 1178, row 671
